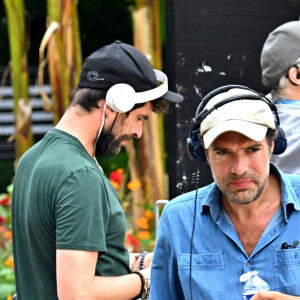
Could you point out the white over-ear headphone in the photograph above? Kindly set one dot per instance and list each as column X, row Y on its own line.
column 122, row 97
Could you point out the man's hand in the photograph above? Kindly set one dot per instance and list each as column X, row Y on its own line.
column 148, row 260
column 268, row 295
column 136, row 265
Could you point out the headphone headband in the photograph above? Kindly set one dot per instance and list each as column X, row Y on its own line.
column 122, row 97
column 155, row 93
column 205, row 112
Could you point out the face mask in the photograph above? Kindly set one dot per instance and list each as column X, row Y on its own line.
column 103, row 143
column 109, row 145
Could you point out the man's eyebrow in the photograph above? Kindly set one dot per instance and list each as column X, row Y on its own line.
column 216, row 148
column 256, row 145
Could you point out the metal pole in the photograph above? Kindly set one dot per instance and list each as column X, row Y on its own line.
column 157, row 205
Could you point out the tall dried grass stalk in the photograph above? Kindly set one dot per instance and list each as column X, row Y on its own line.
column 62, row 41
column 151, row 150
column 18, row 41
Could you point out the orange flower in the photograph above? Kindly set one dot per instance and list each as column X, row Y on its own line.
column 9, row 262
column 9, row 297
column 115, row 184
column 149, row 214
column 7, row 234
column 134, row 185
column 142, row 222
column 144, row 234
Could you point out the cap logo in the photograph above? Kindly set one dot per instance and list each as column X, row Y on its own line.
column 93, row 76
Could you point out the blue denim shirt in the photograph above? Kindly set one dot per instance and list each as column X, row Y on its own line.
column 219, row 258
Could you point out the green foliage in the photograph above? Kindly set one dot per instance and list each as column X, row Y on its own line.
column 111, row 163
column 7, row 277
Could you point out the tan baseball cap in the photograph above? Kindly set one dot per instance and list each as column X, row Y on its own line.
column 251, row 118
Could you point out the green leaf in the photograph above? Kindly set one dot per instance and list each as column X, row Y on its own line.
column 10, row 189
column 6, row 289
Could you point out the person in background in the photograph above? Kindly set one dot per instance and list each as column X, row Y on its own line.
column 280, row 64
column 67, row 220
column 211, row 239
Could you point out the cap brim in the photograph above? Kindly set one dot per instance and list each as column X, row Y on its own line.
column 253, row 131
column 173, row 97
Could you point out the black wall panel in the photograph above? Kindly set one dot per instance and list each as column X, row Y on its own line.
column 211, row 43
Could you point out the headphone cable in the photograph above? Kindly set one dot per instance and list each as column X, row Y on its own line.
column 195, row 182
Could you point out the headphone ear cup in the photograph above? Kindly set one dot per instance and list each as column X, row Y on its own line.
column 121, row 97
column 194, row 147
column 280, row 143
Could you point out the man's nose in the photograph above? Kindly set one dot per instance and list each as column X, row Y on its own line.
column 138, row 130
column 239, row 165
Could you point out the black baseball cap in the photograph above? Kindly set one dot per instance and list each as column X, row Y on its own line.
column 121, row 63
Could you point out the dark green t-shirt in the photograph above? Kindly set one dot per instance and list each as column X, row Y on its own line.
column 62, row 200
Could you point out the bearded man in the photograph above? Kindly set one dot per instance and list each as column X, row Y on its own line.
column 68, row 223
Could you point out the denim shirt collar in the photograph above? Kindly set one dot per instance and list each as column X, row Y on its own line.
column 289, row 198
column 288, row 101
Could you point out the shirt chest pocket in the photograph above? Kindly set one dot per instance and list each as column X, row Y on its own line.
column 287, row 268
column 207, row 275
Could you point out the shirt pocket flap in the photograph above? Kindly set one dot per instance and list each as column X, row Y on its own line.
column 201, row 261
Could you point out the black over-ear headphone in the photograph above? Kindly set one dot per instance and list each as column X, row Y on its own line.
column 122, row 97
column 195, row 149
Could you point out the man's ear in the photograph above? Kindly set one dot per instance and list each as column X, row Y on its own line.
column 108, row 111
column 272, row 146
column 294, row 75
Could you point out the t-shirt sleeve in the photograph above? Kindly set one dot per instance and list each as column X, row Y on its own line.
column 82, row 212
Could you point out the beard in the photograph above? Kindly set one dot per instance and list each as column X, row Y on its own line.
column 242, row 196
column 109, row 145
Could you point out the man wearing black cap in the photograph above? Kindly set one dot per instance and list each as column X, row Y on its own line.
column 68, row 223
column 280, row 63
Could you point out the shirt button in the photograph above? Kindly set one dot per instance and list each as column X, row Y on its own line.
column 248, row 264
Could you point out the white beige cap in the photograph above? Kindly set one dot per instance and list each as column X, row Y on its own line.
column 250, row 117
